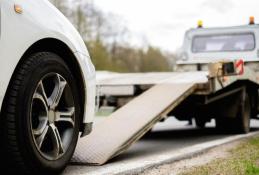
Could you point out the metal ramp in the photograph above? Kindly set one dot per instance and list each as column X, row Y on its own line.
column 128, row 124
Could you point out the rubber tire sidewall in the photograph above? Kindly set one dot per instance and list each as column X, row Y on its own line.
column 43, row 64
column 238, row 124
column 243, row 116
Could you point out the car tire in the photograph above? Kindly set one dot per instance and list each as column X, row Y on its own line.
column 40, row 116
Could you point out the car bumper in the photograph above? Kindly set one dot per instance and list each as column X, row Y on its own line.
column 87, row 129
column 89, row 76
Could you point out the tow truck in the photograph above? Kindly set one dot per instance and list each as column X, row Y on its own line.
column 217, row 78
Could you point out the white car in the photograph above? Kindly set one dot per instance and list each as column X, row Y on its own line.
column 47, row 87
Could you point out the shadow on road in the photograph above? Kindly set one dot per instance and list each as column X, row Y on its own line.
column 186, row 133
column 159, row 141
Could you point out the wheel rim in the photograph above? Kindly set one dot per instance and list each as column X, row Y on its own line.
column 52, row 116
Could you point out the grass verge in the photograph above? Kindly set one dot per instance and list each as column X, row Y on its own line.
column 243, row 160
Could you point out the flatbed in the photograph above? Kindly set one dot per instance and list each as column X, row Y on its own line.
column 217, row 78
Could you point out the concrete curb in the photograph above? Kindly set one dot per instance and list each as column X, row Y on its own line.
column 168, row 157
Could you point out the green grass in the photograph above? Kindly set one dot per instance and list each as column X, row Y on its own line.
column 243, row 160
column 251, row 168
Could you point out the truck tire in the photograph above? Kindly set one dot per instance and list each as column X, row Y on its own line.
column 243, row 116
column 40, row 116
column 241, row 123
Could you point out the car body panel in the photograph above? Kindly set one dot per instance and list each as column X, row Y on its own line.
column 40, row 20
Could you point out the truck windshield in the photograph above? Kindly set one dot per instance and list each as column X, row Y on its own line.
column 223, row 43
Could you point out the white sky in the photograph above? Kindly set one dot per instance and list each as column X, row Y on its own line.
column 163, row 22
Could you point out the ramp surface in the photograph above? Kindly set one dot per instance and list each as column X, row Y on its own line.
column 125, row 126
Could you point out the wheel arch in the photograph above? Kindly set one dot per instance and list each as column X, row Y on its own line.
column 61, row 49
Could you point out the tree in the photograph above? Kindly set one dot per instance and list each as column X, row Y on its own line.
column 99, row 55
column 107, row 39
column 154, row 60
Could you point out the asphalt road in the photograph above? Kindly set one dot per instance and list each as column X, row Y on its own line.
column 170, row 135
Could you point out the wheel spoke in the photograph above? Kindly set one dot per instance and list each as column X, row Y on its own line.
column 60, row 85
column 42, row 136
column 41, row 94
column 66, row 116
column 42, row 125
column 52, row 116
column 57, row 142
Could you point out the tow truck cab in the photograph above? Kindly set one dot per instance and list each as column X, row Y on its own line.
column 203, row 47
column 206, row 45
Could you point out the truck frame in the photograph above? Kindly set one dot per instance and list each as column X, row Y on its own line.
column 229, row 92
column 217, row 78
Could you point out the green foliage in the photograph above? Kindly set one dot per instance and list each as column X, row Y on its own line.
column 127, row 59
column 154, row 60
column 99, row 55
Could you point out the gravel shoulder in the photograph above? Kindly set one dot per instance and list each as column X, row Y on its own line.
column 198, row 160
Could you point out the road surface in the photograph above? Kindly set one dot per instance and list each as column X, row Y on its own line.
column 169, row 136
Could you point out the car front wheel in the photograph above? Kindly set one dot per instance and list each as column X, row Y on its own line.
column 40, row 116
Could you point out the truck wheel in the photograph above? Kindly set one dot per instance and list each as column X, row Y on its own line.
column 41, row 116
column 241, row 123
column 243, row 116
